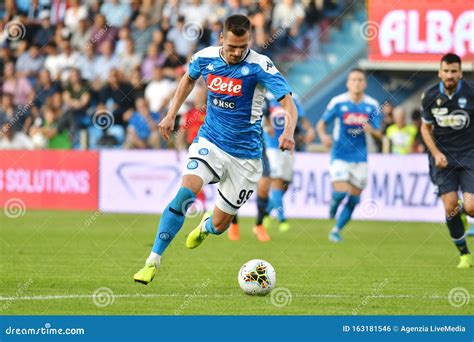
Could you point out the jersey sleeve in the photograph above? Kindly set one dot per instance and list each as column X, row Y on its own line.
column 270, row 78
column 330, row 112
column 425, row 109
column 194, row 69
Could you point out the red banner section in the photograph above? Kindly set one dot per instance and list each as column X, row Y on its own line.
column 422, row 30
column 50, row 179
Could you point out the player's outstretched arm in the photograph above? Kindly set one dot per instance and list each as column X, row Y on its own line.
column 427, row 135
column 185, row 85
column 287, row 141
column 325, row 138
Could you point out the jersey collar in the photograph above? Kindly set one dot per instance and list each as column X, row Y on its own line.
column 243, row 59
column 458, row 88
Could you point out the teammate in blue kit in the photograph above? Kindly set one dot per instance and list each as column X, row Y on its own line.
column 280, row 162
column 228, row 148
column 355, row 115
column 448, row 132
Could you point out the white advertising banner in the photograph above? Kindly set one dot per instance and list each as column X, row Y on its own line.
column 398, row 189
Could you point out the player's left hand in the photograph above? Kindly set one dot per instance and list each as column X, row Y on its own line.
column 287, row 142
column 166, row 126
column 368, row 128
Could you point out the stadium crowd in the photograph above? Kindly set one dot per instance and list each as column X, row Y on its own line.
column 92, row 74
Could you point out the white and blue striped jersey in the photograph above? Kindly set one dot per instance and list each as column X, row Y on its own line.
column 349, row 141
column 235, row 99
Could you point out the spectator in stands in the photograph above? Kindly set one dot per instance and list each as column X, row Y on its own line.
column 159, row 91
column 74, row 14
column 419, row 144
column 12, row 138
column 87, row 62
column 153, row 9
column 124, row 34
column 387, row 111
column 152, row 60
column 142, row 34
column 7, row 110
column 46, row 32
column 76, row 98
column 173, row 62
column 196, row 12
column 142, row 129
column 137, row 83
column 400, row 136
column 171, row 11
column 30, row 63
column 116, row 12
column 105, row 62
column 128, row 59
column 51, row 131
column 46, row 89
column 288, row 16
column 68, row 59
column 115, row 97
column 102, row 32
column 184, row 40
column 81, row 37
column 18, row 86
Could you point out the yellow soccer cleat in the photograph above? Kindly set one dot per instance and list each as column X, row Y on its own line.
column 146, row 274
column 284, row 227
column 465, row 261
column 196, row 237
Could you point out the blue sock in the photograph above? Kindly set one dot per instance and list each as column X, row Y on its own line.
column 172, row 219
column 346, row 213
column 210, row 227
column 276, row 197
column 337, row 198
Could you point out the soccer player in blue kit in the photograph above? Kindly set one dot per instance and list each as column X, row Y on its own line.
column 228, row 148
column 355, row 115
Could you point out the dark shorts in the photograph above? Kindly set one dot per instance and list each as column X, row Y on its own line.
column 457, row 176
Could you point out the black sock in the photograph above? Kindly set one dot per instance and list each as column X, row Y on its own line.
column 262, row 204
column 235, row 219
column 456, row 230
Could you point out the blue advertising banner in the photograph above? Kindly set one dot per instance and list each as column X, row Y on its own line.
column 238, row 328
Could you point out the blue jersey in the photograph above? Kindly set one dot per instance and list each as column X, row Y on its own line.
column 349, row 118
column 235, row 99
column 276, row 115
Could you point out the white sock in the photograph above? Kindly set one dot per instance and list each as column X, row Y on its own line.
column 203, row 227
column 335, row 230
column 153, row 258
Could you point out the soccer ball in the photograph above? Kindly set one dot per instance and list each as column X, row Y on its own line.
column 257, row 277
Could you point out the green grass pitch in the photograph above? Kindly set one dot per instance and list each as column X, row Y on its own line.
column 83, row 263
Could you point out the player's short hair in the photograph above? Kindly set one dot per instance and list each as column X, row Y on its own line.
column 356, row 70
column 451, row 58
column 238, row 24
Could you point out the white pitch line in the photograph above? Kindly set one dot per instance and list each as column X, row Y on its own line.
column 156, row 295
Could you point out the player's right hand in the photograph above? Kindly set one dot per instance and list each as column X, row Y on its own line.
column 166, row 126
column 440, row 160
column 326, row 140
